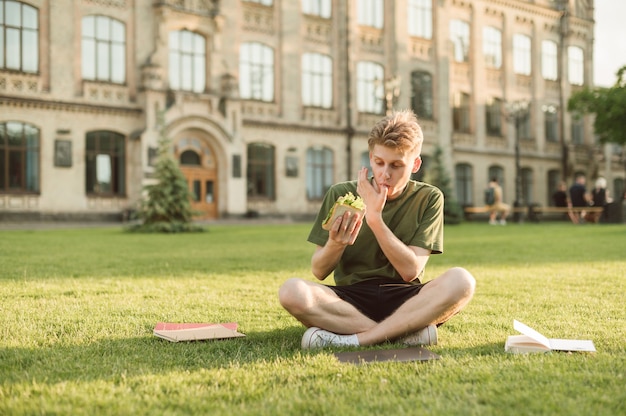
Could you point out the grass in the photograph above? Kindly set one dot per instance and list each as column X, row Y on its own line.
column 77, row 308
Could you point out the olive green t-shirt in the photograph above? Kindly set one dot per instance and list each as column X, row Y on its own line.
column 415, row 217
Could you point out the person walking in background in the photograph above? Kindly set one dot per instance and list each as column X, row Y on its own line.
column 579, row 198
column 498, row 210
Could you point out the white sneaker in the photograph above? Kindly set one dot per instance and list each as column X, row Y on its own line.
column 319, row 338
column 502, row 222
column 425, row 336
column 493, row 222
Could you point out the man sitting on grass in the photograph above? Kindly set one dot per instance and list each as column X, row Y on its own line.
column 378, row 259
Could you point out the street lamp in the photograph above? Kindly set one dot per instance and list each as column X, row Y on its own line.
column 517, row 111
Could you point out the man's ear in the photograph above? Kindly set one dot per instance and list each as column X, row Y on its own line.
column 417, row 163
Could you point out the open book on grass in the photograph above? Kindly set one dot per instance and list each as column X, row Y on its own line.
column 196, row 331
column 533, row 341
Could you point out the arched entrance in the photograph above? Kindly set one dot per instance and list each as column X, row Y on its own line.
column 198, row 164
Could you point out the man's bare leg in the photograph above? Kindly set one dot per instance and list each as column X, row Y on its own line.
column 437, row 302
column 315, row 304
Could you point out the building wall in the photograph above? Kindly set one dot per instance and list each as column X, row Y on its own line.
column 65, row 107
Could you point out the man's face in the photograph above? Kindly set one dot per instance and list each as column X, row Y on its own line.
column 392, row 168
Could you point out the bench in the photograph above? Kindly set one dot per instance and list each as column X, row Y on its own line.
column 533, row 212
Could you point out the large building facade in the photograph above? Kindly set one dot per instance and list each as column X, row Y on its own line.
column 266, row 103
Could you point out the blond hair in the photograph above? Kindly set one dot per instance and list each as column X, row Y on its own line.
column 399, row 130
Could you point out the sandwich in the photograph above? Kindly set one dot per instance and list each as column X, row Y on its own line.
column 348, row 202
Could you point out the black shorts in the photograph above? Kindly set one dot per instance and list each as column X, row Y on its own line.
column 377, row 299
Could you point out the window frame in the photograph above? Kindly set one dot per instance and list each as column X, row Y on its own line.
column 460, row 38
column 371, row 13
column 549, row 60
column 187, row 64
column 103, row 45
column 464, row 181
column 256, row 72
column 522, row 54
column 493, row 117
column 317, row 80
column 319, row 8
column 105, row 143
column 262, row 166
column 320, row 171
column 420, row 18
column 576, row 65
column 422, row 97
column 370, row 89
column 461, row 112
column 20, row 143
column 492, row 47
column 19, row 41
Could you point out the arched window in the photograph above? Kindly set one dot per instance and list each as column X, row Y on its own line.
column 103, row 49
column 319, row 171
column 19, row 157
column 19, row 37
column 190, row 158
column 187, row 66
column 105, row 163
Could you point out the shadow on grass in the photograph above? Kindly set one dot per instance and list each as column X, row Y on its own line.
column 110, row 359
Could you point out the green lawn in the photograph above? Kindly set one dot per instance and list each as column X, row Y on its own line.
column 77, row 308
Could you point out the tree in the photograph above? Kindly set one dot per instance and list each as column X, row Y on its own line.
column 438, row 176
column 167, row 206
column 609, row 107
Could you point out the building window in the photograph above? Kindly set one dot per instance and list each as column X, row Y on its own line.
column 319, row 172
column 263, row 2
column 370, row 13
column 19, row 157
column 105, row 161
column 464, row 182
column 576, row 65
column 103, row 49
column 577, row 131
column 261, row 168
column 527, row 186
column 256, row 72
column 420, row 15
column 19, row 37
column 422, row 94
column 521, row 54
column 493, row 117
column 460, row 37
column 187, row 66
column 317, row 80
column 551, row 123
column 190, row 158
column 320, row 8
column 461, row 113
column 492, row 47
column 369, row 78
column 549, row 60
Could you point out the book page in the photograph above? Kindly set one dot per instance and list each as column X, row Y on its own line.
column 526, row 330
column 572, row 345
